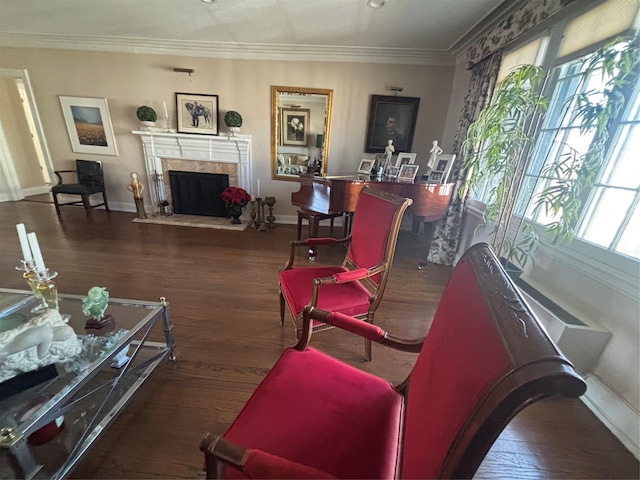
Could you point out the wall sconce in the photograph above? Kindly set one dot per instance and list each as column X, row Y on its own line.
column 184, row 70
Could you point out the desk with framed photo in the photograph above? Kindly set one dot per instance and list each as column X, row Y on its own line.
column 47, row 428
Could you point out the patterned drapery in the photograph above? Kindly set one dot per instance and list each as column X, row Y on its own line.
column 447, row 232
column 532, row 13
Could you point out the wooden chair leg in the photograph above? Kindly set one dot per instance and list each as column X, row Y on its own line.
column 104, row 198
column 281, row 308
column 55, row 202
column 299, row 226
column 87, row 204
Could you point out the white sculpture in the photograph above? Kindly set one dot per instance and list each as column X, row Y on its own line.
column 41, row 341
column 389, row 149
column 435, row 151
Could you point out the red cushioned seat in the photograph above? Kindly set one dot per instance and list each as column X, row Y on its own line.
column 351, row 409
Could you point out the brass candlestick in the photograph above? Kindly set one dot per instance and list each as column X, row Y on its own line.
column 270, row 201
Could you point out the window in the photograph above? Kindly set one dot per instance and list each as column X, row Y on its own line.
column 608, row 213
column 609, row 218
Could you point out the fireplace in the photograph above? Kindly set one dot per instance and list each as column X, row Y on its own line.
column 196, row 193
column 167, row 151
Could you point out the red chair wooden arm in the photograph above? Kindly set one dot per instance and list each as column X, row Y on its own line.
column 355, row 287
column 485, row 358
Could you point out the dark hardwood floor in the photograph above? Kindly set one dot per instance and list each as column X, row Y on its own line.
column 222, row 287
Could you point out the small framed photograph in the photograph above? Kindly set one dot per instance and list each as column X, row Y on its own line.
column 435, row 177
column 392, row 171
column 294, row 126
column 381, row 161
column 366, row 165
column 405, row 159
column 407, row 172
column 89, row 125
column 442, row 168
column 197, row 113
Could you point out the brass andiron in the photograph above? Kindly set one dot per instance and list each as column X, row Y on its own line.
column 270, row 201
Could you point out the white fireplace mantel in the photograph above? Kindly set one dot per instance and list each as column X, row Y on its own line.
column 202, row 148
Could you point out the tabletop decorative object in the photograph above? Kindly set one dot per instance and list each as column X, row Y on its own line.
column 95, row 306
column 41, row 341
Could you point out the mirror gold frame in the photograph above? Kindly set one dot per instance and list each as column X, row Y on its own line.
column 299, row 116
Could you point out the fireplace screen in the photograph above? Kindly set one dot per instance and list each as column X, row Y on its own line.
column 196, row 193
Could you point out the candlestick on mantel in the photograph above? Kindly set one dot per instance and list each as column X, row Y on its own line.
column 164, row 105
column 37, row 254
column 24, row 242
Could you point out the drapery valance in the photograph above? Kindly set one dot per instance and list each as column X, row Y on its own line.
column 529, row 15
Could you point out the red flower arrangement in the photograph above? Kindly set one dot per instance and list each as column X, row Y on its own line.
column 236, row 195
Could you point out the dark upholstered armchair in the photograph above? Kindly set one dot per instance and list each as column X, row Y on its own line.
column 484, row 359
column 356, row 286
column 89, row 179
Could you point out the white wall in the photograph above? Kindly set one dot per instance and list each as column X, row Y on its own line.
column 129, row 80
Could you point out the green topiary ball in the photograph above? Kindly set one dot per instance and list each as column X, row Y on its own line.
column 146, row 114
column 232, row 119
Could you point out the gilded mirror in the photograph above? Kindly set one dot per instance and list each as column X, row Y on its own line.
column 300, row 129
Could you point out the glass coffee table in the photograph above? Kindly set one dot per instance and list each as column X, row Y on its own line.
column 82, row 398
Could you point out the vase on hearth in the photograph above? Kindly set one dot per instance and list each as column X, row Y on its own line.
column 234, row 210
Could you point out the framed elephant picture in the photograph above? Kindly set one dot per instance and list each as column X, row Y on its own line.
column 197, row 113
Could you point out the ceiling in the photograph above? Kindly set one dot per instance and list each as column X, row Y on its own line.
column 403, row 31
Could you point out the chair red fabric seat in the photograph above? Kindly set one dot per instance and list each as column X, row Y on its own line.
column 350, row 298
column 356, row 415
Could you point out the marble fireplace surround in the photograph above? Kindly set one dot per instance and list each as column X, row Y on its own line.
column 164, row 151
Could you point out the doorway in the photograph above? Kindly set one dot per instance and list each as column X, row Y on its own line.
column 25, row 162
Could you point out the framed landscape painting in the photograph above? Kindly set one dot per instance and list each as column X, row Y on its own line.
column 197, row 113
column 89, row 125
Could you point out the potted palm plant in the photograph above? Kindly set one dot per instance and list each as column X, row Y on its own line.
column 147, row 116
column 498, row 149
column 233, row 121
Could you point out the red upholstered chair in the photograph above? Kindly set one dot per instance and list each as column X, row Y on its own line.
column 354, row 287
column 485, row 358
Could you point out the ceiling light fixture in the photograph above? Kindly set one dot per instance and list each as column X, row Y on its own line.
column 208, row 1
column 377, row 3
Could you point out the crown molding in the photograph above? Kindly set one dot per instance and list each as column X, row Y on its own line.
column 229, row 50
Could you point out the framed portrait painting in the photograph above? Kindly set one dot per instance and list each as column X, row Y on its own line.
column 294, row 123
column 391, row 118
column 89, row 125
column 197, row 113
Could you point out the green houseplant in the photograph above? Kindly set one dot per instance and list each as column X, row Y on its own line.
column 498, row 148
column 146, row 114
column 233, row 120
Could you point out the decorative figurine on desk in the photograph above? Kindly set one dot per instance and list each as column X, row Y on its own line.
column 94, row 306
column 136, row 186
column 389, row 149
column 435, row 151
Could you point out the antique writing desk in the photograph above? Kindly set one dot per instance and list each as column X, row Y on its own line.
column 87, row 393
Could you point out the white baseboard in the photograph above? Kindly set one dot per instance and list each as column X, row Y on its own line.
column 617, row 415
